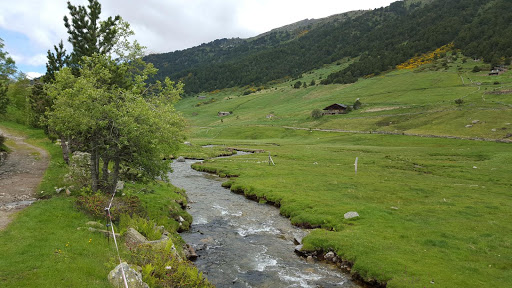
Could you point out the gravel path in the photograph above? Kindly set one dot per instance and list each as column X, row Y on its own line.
column 20, row 174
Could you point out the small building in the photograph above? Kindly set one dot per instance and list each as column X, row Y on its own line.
column 498, row 70
column 335, row 109
column 222, row 114
column 494, row 72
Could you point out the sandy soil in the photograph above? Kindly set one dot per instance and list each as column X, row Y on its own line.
column 20, row 174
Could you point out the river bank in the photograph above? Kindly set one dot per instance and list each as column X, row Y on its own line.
column 412, row 194
column 241, row 243
column 311, row 256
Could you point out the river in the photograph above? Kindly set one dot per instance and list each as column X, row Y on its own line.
column 241, row 243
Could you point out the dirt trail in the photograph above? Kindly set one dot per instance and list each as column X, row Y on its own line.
column 20, row 174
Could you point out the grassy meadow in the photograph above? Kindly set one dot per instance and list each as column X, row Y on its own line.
column 432, row 210
column 42, row 246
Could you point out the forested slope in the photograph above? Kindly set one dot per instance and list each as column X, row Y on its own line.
column 380, row 39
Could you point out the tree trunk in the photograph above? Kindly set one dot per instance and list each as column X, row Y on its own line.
column 94, row 169
column 65, row 149
column 115, row 174
column 105, row 173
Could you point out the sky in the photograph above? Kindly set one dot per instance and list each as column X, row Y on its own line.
column 30, row 28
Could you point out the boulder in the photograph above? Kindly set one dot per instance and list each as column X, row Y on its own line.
column 190, row 253
column 180, row 159
column 133, row 278
column 120, row 185
column 133, row 238
column 350, row 215
column 329, row 256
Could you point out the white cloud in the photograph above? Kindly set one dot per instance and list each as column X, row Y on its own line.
column 36, row 60
column 33, row 75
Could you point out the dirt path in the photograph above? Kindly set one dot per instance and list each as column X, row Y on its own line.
column 20, row 174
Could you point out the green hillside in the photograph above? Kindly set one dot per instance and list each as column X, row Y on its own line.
column 377, row 40
column 433, row 211
column 418, row 101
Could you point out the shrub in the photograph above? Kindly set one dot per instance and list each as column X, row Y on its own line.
column 459, row 101
column 2, row 140
column 95, row 205
column 142, row 225
column 297, row 85
column 476, row 69
column 357, row 104
column 162, row 268
column 317, row 113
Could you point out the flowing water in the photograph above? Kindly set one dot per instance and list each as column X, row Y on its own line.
column 241, row 243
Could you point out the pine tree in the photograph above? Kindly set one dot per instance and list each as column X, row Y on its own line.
column 87, row 34
column 56, row 62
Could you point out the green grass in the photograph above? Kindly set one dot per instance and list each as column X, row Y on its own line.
column 42, row 247
column 451, row 220
column 432, row 209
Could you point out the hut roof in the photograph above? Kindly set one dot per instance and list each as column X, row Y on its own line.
column 336, row 106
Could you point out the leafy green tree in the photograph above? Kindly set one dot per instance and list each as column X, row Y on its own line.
column 316, row 113
column 297, row 85
column 7, row 68
column 113, row 114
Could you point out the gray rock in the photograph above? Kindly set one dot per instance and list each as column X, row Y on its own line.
column 120, row 185
column 297, row 240
column 469, row 126
column 310, row 259
column 298, row 250
column 95, row 224
column 190, row 252
column 350, row 215
column 133, row 278
column 133, row 238
column 475, row 121
column 187, row 143
column 180, row 159
column 330, row 256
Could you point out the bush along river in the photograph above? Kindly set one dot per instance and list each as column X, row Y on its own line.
column 241, row 243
